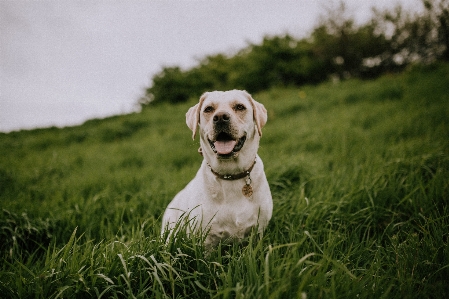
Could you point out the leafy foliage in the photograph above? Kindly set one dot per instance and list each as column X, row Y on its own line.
column 336, row 48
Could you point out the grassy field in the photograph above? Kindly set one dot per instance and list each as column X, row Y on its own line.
column 359, row 172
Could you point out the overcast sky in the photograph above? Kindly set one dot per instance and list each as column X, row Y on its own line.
column 63, row 62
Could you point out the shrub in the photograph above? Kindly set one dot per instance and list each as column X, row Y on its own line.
column 337, row 48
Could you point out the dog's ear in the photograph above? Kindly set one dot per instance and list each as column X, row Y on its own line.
column 192, row 119
column 193, row 115
column 259, row 113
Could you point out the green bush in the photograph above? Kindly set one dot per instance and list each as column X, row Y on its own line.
column 336, row 48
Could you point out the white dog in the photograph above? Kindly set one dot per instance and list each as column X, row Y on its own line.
column 229, row 195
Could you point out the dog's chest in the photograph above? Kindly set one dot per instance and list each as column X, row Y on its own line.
column 234, row 219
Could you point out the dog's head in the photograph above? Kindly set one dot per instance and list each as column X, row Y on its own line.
column 230, row 123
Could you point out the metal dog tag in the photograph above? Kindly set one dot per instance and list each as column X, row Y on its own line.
column 247, row 190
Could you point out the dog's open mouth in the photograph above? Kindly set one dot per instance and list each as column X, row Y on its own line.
column 225, row 145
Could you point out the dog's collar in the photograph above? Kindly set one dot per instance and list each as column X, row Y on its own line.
column 233, row 177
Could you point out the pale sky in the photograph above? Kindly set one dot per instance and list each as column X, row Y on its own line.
column 63, row 62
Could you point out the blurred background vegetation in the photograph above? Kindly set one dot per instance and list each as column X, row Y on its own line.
column 337, row 48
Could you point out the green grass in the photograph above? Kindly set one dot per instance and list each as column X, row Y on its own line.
column 359, row 173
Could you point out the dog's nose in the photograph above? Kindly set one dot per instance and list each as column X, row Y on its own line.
column 222, row 117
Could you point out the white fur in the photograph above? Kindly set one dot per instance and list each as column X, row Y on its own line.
column 218, row 205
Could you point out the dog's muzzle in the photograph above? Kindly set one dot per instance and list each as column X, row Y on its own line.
column 225, row 145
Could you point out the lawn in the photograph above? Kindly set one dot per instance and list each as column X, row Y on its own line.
column 358, row 170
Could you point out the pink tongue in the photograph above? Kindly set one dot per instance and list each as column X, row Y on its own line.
column 224, row 147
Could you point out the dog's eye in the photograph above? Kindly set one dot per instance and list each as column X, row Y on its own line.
column 239, row 107
column 208, row 109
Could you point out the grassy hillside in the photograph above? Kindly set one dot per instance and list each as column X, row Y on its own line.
column 358, row 171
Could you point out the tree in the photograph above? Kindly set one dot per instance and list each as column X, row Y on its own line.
column 390, row 41
column 170, row 85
